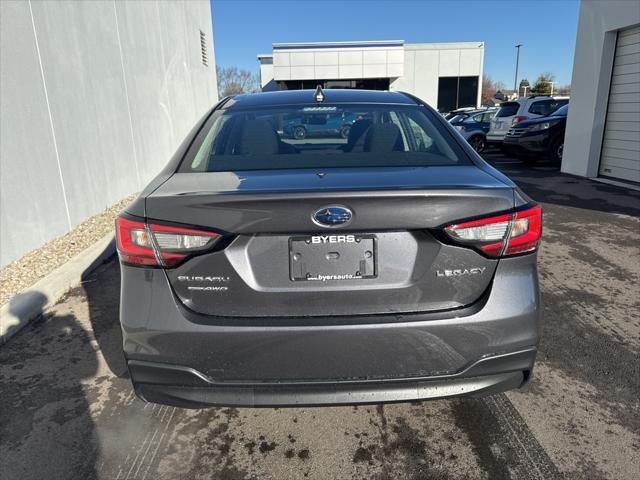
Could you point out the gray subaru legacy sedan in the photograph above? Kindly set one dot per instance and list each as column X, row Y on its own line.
column 388, row 264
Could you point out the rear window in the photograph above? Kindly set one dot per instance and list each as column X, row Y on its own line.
column 546, row 107
column 508, row 109
column 321, row 136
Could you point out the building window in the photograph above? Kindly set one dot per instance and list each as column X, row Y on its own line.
column 457, row 92
column 203, row 48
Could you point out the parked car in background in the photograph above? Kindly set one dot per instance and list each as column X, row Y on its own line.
column 543, row 136
column 474, row 126
column 258, row 270
column 513, row 112
column 320, row 124
column 458, row 111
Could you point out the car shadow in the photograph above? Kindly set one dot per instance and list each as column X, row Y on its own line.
column 101, row 287
column 52, row 379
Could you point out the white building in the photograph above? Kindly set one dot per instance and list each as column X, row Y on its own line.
column 94, row 99
column 603, row 128
column 445, row 75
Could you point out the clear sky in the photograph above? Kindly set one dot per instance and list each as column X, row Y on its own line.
column 546, row 28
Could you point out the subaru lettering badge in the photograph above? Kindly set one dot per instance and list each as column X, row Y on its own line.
column 332, row 216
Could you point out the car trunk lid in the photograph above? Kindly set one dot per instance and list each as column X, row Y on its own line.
column 388, row 259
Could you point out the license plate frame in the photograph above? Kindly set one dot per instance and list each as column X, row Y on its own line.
column 316, row 260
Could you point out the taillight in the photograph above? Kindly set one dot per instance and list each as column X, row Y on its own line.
column 501, row 235
column 518, row 119
column 149, row 244
column 526, row 230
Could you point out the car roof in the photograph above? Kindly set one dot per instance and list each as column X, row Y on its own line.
column 536, row 98
column 298, row 97
column 474, row 112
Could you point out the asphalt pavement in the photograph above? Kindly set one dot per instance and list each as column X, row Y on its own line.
column 67, row 410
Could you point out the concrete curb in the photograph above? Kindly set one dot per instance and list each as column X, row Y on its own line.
column 31, row 302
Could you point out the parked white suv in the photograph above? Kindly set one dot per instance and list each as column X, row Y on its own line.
column 519, row 110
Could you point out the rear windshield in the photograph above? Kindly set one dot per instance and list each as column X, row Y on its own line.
column 508, row 109
column 321, row 136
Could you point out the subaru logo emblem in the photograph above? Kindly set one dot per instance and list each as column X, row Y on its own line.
column 332, row 216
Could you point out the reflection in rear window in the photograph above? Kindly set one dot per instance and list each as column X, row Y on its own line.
column 508, row 109
column 321, row 136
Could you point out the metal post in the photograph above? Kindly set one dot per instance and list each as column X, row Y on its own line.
column 516, row 89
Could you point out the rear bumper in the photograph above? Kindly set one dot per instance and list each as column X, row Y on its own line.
column 182, row 358
column 527, row 144
column 187, row 388
column 495, row 138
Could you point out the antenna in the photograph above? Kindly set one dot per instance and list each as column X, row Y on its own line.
column 319, row 94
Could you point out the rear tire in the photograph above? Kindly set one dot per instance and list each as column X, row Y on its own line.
column 557, row 149
column 478, row 143
column 299, row 133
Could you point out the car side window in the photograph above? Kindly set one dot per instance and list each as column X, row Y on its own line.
column 486, row 117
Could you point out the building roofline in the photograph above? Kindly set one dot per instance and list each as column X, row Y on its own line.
column 372, row 44
column 356, row 44
column 443, row 45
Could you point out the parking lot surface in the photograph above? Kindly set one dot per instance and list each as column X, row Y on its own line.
column 67, row 409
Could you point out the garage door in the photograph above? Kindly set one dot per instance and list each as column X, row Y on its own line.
column 620, row 157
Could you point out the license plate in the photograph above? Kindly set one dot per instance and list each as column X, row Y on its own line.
column 324, row 258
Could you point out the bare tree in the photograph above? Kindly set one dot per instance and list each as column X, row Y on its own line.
column 232, row 81
column 489, row 89
column 563, row 89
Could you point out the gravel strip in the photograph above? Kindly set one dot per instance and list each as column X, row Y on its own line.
column 26, row 271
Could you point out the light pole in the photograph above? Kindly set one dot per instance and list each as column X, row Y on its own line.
column 515, row 82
